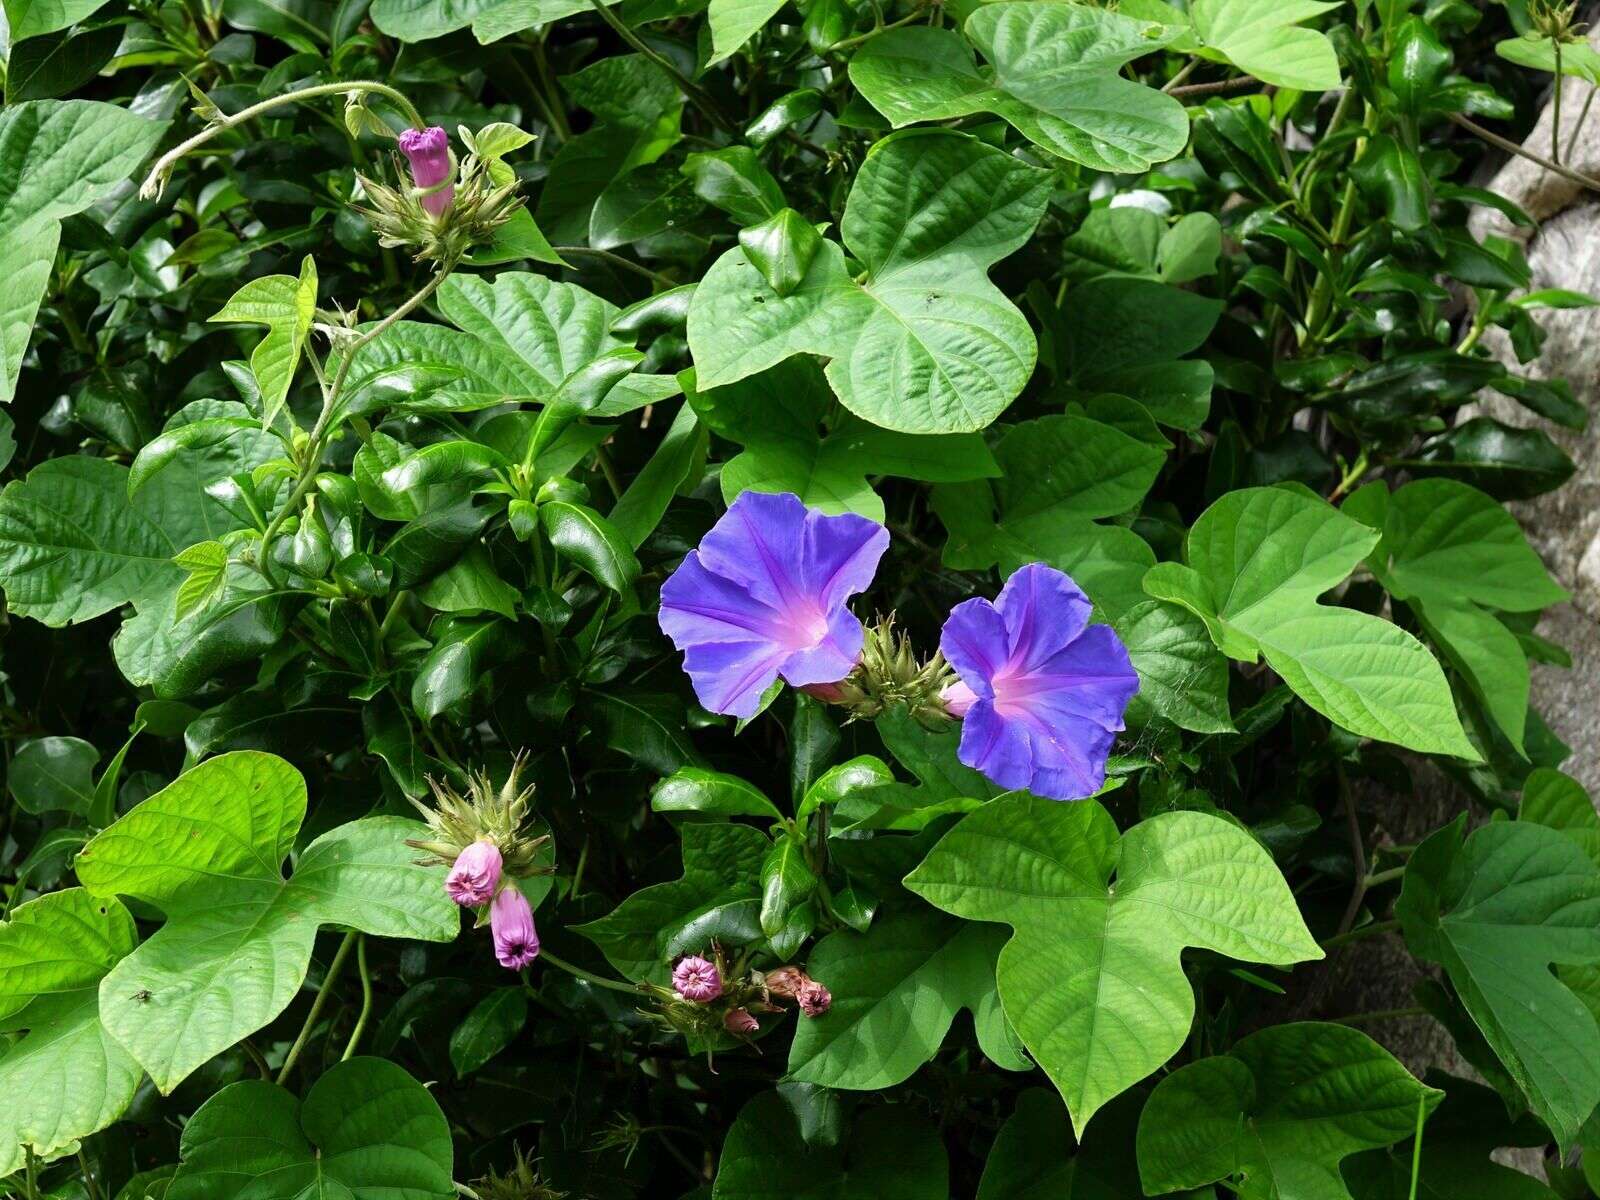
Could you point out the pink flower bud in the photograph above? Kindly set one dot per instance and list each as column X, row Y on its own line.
column 828, row 693
column 428, row 151
column 516, row 941
column 814, row 998
column 957, row 698
column 475, row 875
column 784, row 982
column 696, row 979
column 740, row 1023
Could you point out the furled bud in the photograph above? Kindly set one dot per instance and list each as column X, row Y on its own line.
column 475, row 874
column 814, row 999
column 784, row 982
column 957, row 697
column 697, row 979
column 428, row 152
column 516, row 941
column 740, row 1022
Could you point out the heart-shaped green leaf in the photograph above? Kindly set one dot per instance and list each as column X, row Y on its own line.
column 1091, row 979
column 365, row 1129
column 207, row 850
column 67, row 1077
column 1278, row 1113
column 920, row 341
column 1054, row 73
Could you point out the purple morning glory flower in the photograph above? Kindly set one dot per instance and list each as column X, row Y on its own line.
column 764, row 595
column 1049, row 688
column 428, row 152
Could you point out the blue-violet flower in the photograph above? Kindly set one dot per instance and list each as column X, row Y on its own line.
column 1048, row 689
column 764, row 595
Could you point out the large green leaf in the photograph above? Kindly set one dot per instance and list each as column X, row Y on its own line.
column 1057, row 475
column 1092, row 979
column 57, row 157
column 1496, row 909
column 30, row 18
column 66, row 1077
column 777, row 417
column 1260, row 38
column 889, row 1154
column 735, row 22
column 718, row 896
column 1278, row 1113
column 1258, row 559
column 365, row 1129
column 1454, row 554
column 1182, row 676
column 897, row 988
column 207, row 850
column 1054, row 73
column 285, row 304
column 74, row 544
column 921, row 341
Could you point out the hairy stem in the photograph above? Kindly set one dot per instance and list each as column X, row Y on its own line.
column 1510, row 147
column 588, row 976
column 163, row 166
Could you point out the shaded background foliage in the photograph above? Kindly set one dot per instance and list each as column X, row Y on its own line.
column 1280, row 290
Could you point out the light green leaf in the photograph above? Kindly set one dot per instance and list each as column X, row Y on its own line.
column 735, row 22
column 890, row 1154
column 207, row 850
column 1559, row 801
column 365, row 1129
column 1532, row 50
column 1258, row 560
column 1496, row 909
column 57, row 157
column 30, row 18
column 285, row 305
column 922, row 342
column 1054, row 74
column 1091, row 979
column 66, row 1077
column 74, row 544
column 897, row 990
column 1276, row 1115
column 207, row 564
column 1259, row 37
column 719, row 896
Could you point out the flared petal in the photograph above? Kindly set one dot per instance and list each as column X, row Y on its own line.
column 996, row 746
column 1069, row 759
column 699, row 606
column 839, row 556
column 1044, row 611
column 729, row 677
column 831, row 659
column 1091, row 680
column 974, row 642
column 759, row 544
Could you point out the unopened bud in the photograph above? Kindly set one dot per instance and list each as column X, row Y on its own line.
column 784, row 982
column 740, row 1023
column 814, row 999
column 428, row 152
column 516, row 941
column 697, row 979
column 475, row 874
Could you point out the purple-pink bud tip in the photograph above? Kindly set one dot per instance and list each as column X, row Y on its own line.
column 740, row 1022
column 516, row 941
column 813, row 998
column 475, row 874
column 428, row 152
column 957, row 698
column 697, row 979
